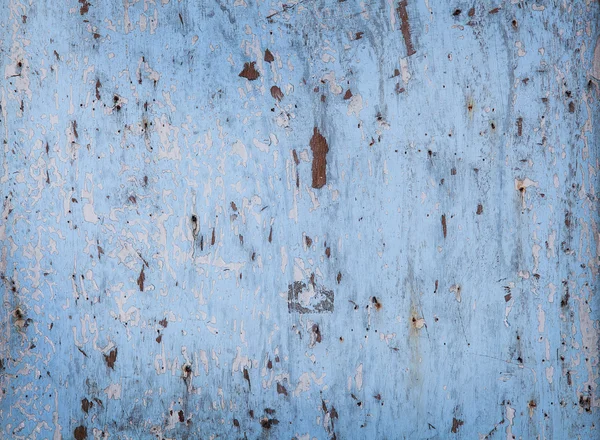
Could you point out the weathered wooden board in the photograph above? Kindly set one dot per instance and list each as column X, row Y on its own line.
column 312, row 219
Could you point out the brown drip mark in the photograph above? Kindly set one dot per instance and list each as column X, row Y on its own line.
column 98, row 87
column 405, row 27
column 247, row 377
column 519, row 126
column 479, row 209
column 249, row 71
column 444, row 227
column 319, row 147
column 141, row 279
column 111, row 358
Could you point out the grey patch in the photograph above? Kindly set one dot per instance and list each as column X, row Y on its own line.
column 320, row 302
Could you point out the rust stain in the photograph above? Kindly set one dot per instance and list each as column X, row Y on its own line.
column 479, row 209
column 276, row 93
column 141, row 279
column 85, row 7
column 281, row 389
column 444, row 227
column 249, row 71
column 319, row 147
column 111, row 358
column 405, row 27
column 519, row 126
column 269, row 58
column 456, row 424
column 80, row 433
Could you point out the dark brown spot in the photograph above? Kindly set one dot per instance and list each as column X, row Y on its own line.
column 376, row 303
column 269, row 58
column 471, row 12
column 308, row 241
column 233, row 206
column 249, row 71
column 317, row 332
column 236, row 423
column 456, row 424
column 141, row 279
column 268, row 423
column 519, row 126
column 86, row 405
column 98, row 86
column 85, row 7
column 339, row 277
column 111, row 358
column 295, row 155
column 276, row 93
column 319, row 147
column 495, row 11
column 247, row 377
column 507, row 297
column 571, row 107
column 479, row 209
column 457, row 12
column 164, row 322
column 181, row 416
column 328, row 252
column 281, row 389
column 80, row 433
column 348, row 94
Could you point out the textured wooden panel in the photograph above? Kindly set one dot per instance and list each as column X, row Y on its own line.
column 318, row 219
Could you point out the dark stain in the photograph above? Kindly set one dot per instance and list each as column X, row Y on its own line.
column 405, row 27
column 519, row 126
column 111, row 358
column 233, row 206
column 376, row 303
column 267, row 423
column 339, row 277
column 75, row 130
column 456, row 424
column 159, row 339
column 270, row 411
column 163, row 322
column 317, row 333
column 507, row 297
column 564, row 302
column 236, row 423
column 85, row 7
column 276, row 93
column 269, row 58
column 328, row 252
column 271, row 234
column 80, row 433
column 456, row 13
column 471, row 12
column 532, row 405
column 181, row 416
column 141, row 279
column 495, row 10
column 479, row 209
column 308, row 241
column 571, row 107
column 98, row 87
column 296, row 159
column 444, row 227
column 86, row 405
column 281, row 389
column 348, row 94
column 319, row 147
column 249, row 71
column 247, row 377
column 585, row 402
